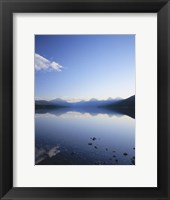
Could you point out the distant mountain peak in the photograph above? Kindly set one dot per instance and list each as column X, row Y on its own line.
column 110, row 98
column 93, row 99
column 58, row 99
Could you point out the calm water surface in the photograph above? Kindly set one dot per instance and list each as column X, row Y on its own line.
column 67, row 137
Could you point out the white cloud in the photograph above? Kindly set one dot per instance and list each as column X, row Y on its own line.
column 42, row 63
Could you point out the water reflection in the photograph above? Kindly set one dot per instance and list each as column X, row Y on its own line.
column 84, row 137
column 92, row 111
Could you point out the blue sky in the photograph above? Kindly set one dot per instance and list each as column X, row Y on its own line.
column 84, row 66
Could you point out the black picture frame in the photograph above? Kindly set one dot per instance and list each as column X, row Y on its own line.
column 7, row 8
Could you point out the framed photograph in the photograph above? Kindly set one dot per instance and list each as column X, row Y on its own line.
column 84, row 99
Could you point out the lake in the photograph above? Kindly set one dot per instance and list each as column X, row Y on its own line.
column 84, row 137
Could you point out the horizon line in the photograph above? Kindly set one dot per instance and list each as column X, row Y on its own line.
column 78, row 99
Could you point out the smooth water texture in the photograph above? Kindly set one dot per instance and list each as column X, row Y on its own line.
column 69, row 137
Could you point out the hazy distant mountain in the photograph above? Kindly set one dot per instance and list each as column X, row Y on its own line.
column 93, row 99
column 95, row 102
column 39, row 104
column 60, row 102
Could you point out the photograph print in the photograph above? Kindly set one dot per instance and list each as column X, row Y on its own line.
column 84, row 99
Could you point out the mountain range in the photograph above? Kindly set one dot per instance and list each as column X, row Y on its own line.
column 109, row 103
